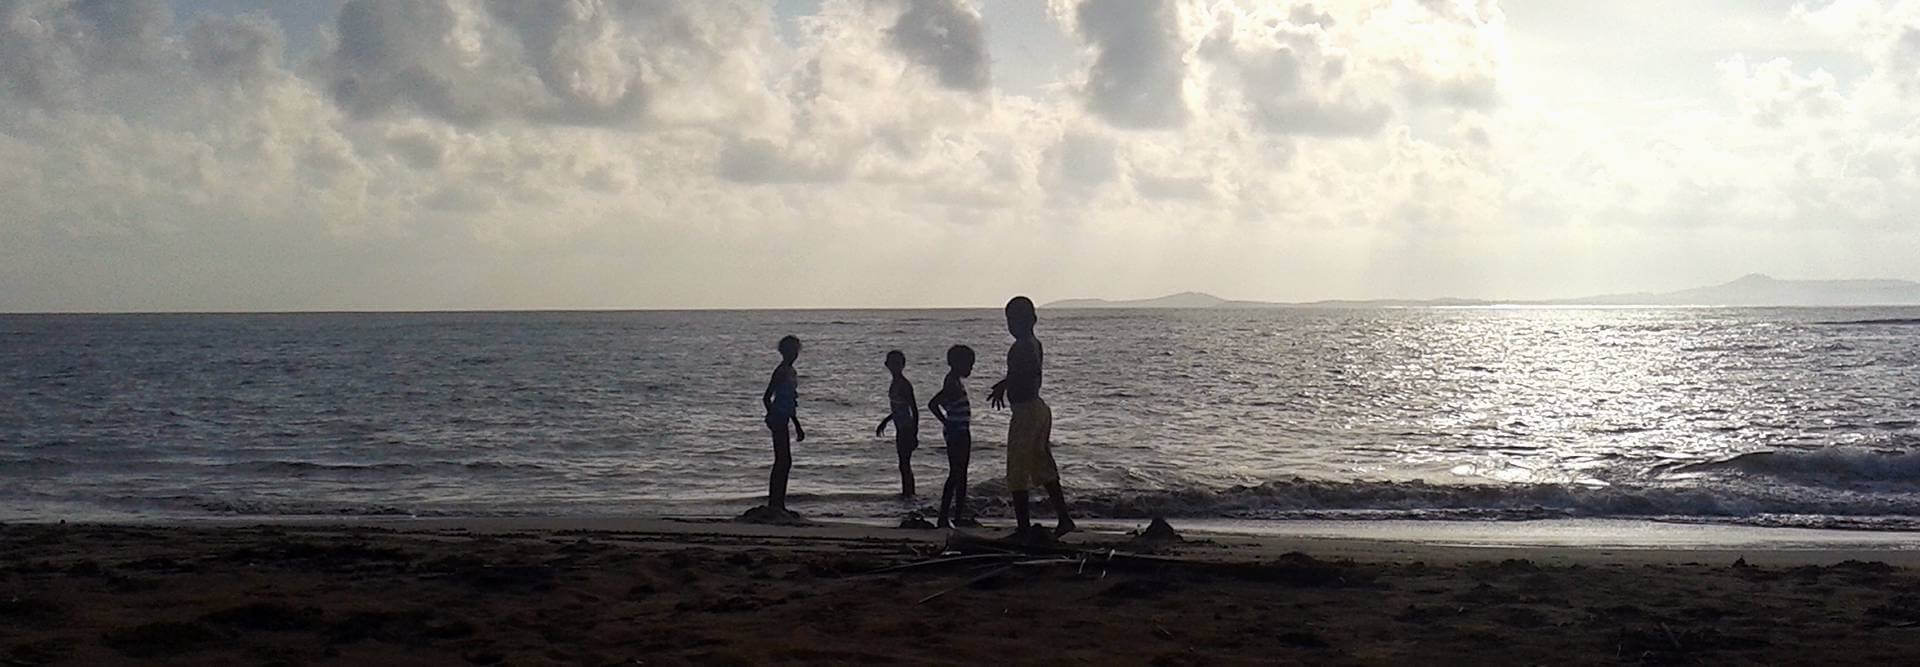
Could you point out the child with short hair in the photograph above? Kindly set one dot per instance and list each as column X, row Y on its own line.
column 955, row 414
column 905, row 415
column 1030, row 461
column 782, row 401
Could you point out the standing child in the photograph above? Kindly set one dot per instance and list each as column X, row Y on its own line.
column 1030, row 430
column 782, row 401
column 905, row 415
column 950, row 406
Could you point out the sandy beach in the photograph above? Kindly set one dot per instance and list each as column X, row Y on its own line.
column 662, row 592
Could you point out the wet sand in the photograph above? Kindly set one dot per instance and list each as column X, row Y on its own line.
column 661, row 592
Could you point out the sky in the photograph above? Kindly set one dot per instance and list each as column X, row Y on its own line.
column 508, row 154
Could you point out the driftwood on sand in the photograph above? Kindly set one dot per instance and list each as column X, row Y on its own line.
column 987, row 559
column 998, row 557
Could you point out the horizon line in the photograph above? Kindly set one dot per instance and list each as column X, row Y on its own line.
column 1343, row 304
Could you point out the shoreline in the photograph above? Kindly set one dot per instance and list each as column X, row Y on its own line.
column 697, row 591
column 1566, row 540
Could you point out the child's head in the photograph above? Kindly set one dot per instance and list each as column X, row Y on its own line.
column 789, row 348
column 1020, row 316
column 896, row 361
column 960, row 359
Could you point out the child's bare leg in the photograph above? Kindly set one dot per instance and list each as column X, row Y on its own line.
column 1020, row 514
column 953, row 496
column 1059, row 500
column 906, row 469
column 777, row 480
column 960, row 494
column 946, row 501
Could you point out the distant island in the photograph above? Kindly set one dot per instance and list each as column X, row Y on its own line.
column 1750, row 290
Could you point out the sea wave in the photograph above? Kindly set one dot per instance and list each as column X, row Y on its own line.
column 249, row 506
column 313, row 467
column 1904, row 321
column 1833, row 466
column 33, row 463
column 1317, row 499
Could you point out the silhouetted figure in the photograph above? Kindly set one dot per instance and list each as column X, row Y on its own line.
column 1030, row 431
column 782, row 401
column 904, row 412
column 955, row 414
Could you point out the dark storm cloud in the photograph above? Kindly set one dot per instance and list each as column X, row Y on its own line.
column 1138, row 77
column 946, row 36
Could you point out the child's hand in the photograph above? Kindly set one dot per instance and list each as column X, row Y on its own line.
column 880, row 430
column 799, row 434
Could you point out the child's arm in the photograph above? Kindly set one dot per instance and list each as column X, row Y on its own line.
column 882, row 428
column 766, row 399
column 1023, row 365
column 913, row 407
column 933, row 404
column 799, row 434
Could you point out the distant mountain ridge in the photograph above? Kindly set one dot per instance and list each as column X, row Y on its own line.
column 1756, row 289
column 1749, row 290
column 1181, row 300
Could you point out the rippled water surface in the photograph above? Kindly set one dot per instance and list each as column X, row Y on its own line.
column 1771, row 416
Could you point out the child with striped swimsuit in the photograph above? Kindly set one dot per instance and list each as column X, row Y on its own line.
column 950, row 406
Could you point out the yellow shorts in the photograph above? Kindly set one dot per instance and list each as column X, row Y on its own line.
column 1030, row 447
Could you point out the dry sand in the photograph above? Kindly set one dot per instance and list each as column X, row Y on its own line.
column 659, row 592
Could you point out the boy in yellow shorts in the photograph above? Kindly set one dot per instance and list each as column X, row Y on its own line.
column 1030, row 431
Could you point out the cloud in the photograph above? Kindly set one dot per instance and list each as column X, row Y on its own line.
column 610, row 153
column 404, row 56
column 1903, row 60
column 1288, row 74
column 125, row 33
column 760, row 161
column 1138, row 76
column 1173, row 187
column 418, row 149
column 584, row 61
column 1083, row 160
column 948, row 37
column 1771, row 93
column 48, row 48
column 1445, row 53
column 1321, row 119
column 608, row 63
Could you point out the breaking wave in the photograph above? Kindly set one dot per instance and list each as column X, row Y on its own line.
column 1833, row 466
column 1417, row 500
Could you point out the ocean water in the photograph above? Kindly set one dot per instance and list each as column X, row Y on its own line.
column 1788, row 417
